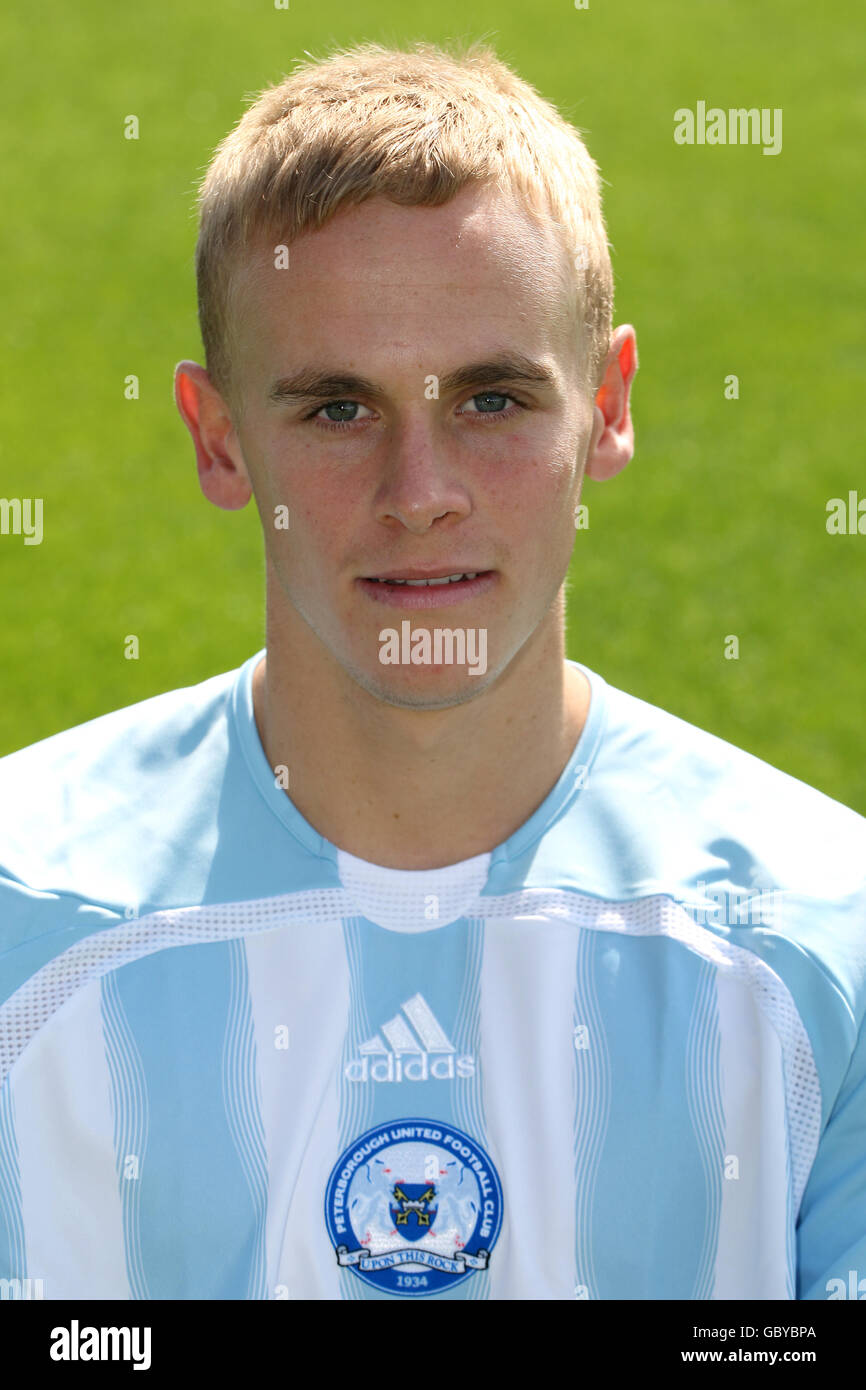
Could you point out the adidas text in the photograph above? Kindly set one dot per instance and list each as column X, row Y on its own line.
column 421, row 1068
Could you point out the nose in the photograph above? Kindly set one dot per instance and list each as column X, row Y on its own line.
column 421, row 480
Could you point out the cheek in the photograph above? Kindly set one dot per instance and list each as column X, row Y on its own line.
column 319, row 525
column 314, row 497
column 540, row 509
column 531, row 486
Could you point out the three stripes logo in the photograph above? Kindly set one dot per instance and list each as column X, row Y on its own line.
column 416, row 1048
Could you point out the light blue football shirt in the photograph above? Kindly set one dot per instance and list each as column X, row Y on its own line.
column 619, row 1056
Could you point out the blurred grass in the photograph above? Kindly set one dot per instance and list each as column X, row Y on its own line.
column 726, row 260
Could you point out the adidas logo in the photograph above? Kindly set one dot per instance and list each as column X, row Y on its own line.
column 423, row 1055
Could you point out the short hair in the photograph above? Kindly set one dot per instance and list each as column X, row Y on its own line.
column 412, row 125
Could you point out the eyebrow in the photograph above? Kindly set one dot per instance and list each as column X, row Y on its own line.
column 310, row 383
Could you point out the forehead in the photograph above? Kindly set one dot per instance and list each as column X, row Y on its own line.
column 419, row 272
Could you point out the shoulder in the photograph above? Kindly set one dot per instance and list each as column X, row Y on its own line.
column 671, row 810
column 113, row 779
column 746, row 855
column 732, row 795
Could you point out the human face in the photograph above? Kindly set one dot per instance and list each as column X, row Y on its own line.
column 382, row 476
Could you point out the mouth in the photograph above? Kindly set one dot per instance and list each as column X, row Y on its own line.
column 413, row 589
column 430, row 580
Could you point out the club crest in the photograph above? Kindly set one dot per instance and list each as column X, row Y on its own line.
column 414, row 1207
column 411, row 1211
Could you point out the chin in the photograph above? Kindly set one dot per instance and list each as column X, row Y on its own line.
column 418, row 689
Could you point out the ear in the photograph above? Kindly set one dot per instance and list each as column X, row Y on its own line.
column 222, row 472
column 613, row 432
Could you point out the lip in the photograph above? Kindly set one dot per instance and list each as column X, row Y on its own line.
column 441, row 596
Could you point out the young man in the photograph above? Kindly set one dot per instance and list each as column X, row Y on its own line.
column 395, row 965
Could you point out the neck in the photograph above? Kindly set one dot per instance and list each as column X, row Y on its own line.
column 417, row 789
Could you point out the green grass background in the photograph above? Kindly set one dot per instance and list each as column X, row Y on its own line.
column 726, row 260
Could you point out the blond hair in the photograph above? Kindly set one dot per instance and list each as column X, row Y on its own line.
column 414, row 126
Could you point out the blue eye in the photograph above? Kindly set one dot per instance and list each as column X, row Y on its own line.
column 340, row 406
column 485, row 411
column 490, row 396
